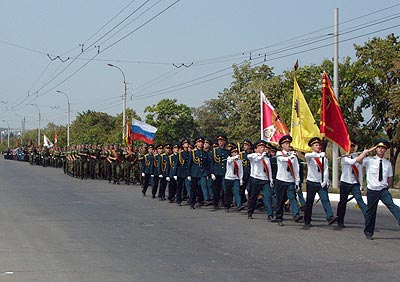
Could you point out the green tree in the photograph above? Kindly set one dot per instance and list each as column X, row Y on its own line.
column 379, row 73
column 94, row 127
column 173, row 121
column 236, row 110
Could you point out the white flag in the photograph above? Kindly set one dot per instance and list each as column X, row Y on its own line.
column 46, row 142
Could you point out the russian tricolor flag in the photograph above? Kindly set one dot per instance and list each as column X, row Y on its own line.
column 142, row 131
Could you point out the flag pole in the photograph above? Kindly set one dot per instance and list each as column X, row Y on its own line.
column 335, row 148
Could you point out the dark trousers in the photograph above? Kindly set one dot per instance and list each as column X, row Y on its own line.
column 179, row 189
column 373, row 198
column 154, row 189
column 195, row 190
column 172, row 189
column 257, row 185
column 345, row 190
column 217, row 188
column 285, row 188
column 146, row 182
column 229, row 186
column 163, row 187
column 312, row 189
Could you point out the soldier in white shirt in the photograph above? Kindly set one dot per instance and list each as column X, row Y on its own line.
column 317, row 181
column 261, row 178
column 351, row 181
column 287, row 180
column 233, row 179
column 379, row 173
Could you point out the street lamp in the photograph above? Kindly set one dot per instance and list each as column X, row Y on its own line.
column 38, row 138
column 69, row 114
column 8, row 133
column 123, row 101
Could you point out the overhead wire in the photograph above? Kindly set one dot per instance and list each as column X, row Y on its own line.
column 75, row 58
column 181, row 86
column 118, row 31
column 226, row 58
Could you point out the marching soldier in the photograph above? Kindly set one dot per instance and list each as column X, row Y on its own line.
column 163, row 172
column 127, row 159
column 147, row 168
column 317, row 181
column 247, row 149
column 287, row 180
column 198, row 171
column 84, row 161
column 172, row 173
column 218, row 168
column 350, row 182
column 208, row 192
column 183, row 184
column 156, row 179
column 379, row 173
column 233, row 179
column 261, row 177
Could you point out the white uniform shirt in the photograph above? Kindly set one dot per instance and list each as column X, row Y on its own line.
column 372, row 172
column 348, row 174
column 230, row 168
column 284, row 173
column 313, row 173
column 257, row 167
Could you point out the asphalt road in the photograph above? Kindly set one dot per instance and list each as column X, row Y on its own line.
column 56, row 228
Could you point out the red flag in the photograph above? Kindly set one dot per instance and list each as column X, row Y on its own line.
column 128, row 134
column 272, row 127
column 332, row 124
column 55, row 138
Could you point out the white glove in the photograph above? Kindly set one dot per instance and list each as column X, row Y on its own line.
column 235, row 157
column 142, row 174
column 263, row 154
column 167, row 178
column 271, row 183
column 152, row 175
column 213, row 177
column 160, row 176
column 175, row 177
column 323, row 184
column 241, row 182
column 189, row 178
column 322, row 154
column 297, row 188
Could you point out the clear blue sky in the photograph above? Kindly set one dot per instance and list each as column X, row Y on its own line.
column 189, row 32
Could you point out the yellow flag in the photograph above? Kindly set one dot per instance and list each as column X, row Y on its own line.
column 303, row 126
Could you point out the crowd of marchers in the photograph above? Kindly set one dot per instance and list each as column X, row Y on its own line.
column 242, row 177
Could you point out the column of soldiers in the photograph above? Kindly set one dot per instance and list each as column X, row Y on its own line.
column 227, row 175
column 111, row 162
column 222, row 173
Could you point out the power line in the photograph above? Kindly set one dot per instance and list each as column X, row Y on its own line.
column 142, row 25
column 118, row 24
column 180, row 86
column 145, row 11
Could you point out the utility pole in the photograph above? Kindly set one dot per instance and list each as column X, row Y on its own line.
column 68, row 115
column 335, row 153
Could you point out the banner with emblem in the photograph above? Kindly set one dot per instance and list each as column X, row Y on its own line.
column 332, row 125
column 272, row 127
column 303, row 125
